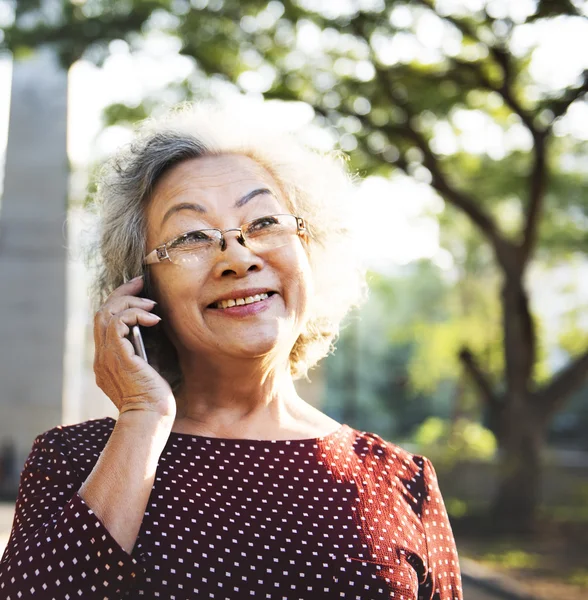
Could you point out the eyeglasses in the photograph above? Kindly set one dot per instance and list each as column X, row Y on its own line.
column 201, row 245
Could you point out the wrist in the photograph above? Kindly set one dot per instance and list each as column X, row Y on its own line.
column 145, row 421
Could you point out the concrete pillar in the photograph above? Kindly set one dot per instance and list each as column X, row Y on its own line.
column 33, row 255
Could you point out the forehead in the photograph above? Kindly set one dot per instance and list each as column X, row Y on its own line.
column 215, row 182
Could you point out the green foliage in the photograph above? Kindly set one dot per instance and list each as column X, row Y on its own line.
column 448, row 443
column 456, row 508
column 554, row 8
column 116, row 114
column 466, row 314
column 512, row 559
column 579, row 577
column 368, row 380
column 397, row 98
column 436, row 357
column 367, row 66
column 574, row 333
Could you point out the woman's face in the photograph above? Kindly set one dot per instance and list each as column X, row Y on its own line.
column 216, row 192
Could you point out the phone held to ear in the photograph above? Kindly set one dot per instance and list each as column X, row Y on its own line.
column 137, row 341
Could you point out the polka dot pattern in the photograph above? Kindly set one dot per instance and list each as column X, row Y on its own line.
column 347, row 515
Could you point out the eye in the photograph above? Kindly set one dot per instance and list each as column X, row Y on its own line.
column 200, row 237
column 263, row 224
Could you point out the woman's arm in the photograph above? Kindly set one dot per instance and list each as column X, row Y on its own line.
column 72, row 541
column 443, row 579
column 59, row 545
column 119, row 486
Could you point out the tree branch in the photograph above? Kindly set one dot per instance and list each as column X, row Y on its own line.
column 538, row 186
column 538, row 176
column 464, row 202
column 560, row 106
column 479, row 378
column 562, row 385
column 504, row 90
column 501, row 58
column 460, row 24
column 504, row 249
column 440, row 182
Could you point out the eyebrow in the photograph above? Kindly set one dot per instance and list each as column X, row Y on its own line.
column 200, row 209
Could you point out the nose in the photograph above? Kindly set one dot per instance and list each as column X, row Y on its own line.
column 235, row 258
column 223, row 240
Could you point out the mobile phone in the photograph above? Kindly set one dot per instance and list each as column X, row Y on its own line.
column 137, row 341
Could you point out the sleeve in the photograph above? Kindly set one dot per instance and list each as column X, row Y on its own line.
column 443, row 579
column 58, row 548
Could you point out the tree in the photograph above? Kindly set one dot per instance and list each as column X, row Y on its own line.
column 374, row 380
column 396, row 81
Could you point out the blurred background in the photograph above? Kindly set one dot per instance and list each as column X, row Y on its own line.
column 466, row 122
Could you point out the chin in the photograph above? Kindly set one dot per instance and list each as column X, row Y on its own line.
column 268, row 340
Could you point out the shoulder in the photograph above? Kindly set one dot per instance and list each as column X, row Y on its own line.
column 80, row 433
column 373, row 448
column 394, row 466
column 88, row 437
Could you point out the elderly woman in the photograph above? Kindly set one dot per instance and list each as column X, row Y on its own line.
column 217, row 480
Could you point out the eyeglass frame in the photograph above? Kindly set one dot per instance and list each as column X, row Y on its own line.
column 160, row 254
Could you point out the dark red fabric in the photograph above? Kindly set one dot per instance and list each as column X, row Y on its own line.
column 344, row 516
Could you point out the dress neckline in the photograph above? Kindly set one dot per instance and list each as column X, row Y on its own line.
column 338, row 432
column 227, row 441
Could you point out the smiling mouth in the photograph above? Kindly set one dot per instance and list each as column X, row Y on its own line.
column 222, row 304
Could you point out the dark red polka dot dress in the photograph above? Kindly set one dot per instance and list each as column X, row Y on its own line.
column 347, row 515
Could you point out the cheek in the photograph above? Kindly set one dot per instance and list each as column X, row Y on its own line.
column 182, row 322
column 177, row 296
column 298, row 281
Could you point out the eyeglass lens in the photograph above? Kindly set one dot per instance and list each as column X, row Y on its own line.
column 259, row 235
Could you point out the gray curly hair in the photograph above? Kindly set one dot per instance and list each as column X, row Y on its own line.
column 315, row 186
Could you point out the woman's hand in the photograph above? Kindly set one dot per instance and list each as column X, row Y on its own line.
column 130, row 382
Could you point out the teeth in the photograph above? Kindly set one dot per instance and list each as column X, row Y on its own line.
column 241, row 301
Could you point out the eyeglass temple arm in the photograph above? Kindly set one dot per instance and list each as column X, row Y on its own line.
column 300, row 225
column 156, row 256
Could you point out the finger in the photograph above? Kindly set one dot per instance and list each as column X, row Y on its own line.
column 136, row 316
column 117, row 343
column 119, row 328
column 118, row 304
column 132, row 288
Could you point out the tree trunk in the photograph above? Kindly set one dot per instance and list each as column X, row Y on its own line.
column 519, row 339
column 515, row 505
column 519, row 431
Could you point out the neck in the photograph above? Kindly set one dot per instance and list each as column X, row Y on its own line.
column 244, row 399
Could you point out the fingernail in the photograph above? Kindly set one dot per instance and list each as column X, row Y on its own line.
column 136, row 278
column 155, row 316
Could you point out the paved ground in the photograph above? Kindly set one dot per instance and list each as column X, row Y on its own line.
column 471, row 592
